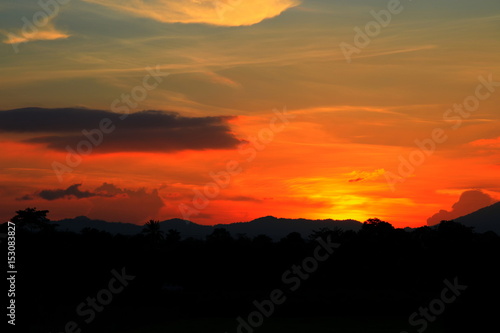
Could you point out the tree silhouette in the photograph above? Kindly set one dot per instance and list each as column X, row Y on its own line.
column 173, row 236
column 220, row 235
column 191, row 278
column 323, row 233
column 377, row 227
column 293, row 239
column 454, row 230
column 453, row 227
column 153, row 232
column 33, row 220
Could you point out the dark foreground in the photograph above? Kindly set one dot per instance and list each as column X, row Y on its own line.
column 379, row 279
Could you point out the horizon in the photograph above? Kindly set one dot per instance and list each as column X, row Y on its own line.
column 222, row 111
column 263, row 217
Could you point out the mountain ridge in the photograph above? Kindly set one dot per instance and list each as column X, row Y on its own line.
column 483, row 220
column 271, row 226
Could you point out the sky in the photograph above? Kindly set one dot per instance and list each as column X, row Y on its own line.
column 229, row 110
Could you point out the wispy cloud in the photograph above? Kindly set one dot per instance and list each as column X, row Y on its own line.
column 487, row 143
column 45, row 32
column 222, row 80
column 397, row 51
column 358, row 176
column 49, row 33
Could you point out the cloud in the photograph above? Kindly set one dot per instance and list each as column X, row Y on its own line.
column 109, row 201
column 358, row 176
column 241, row 198
column 26, row 197
column 109, row 189
column 219, row 79
column 31, row 32
column 72, row 191
column 145, row 131
column 48, row 33
column 397, row 51
column 492, row 144
column 214, row 12
column 469, row 202
column 105, row 190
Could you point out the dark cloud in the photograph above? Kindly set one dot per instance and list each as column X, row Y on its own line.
column 34, row 120
column 105, row 190
column 355, row 180
column 26, row 197
column 71, row 192
column 108, row 201
column 145, row 131
column 469, row 202
column 241, row 198
column 109, row 189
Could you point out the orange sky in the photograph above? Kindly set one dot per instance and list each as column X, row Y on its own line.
column 308, row 133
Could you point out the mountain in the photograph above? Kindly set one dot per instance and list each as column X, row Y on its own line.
column 186, row 228
column 484, row 219
column 82, row 222
column 276, row 228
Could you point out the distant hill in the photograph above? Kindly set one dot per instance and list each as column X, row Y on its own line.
column 82, row 222
column 186, row 228
column 484, row 219
column 276, row 228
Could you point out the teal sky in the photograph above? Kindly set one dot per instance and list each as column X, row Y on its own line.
column 274, row 60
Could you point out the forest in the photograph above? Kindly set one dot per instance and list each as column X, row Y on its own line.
column 379, row 279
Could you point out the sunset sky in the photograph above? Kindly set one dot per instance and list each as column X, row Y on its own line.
column 225, row 111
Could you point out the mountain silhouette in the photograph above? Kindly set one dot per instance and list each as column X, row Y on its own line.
column 484, row 219
column 79, row 223
column 276, row 228
column 172, row 279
